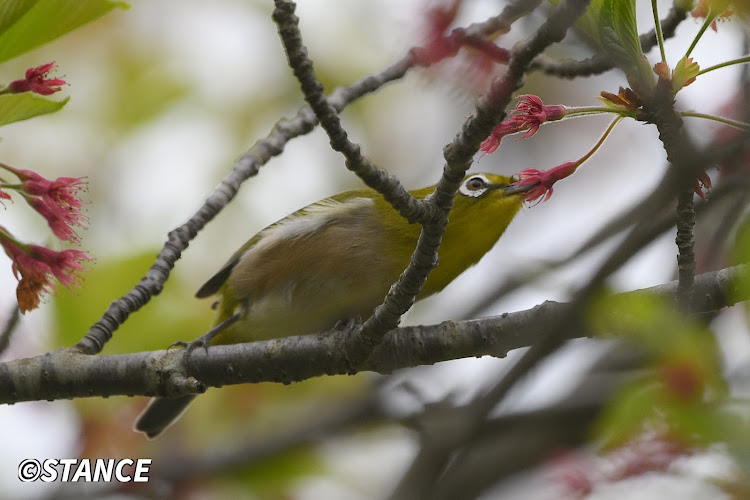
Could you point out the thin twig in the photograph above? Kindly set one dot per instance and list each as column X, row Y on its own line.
column 9, row 328
column 599, row 63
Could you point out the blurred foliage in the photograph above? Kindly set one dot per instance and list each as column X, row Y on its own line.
column 681, row 390
column 27, row 24
column 143, row 88
column 176, row 315
column 740, row 254
column 272, row 477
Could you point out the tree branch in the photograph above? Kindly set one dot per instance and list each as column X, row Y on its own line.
column 66, row 373
column 9, row 328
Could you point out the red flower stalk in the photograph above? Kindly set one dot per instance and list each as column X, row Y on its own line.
column 541, row 181
column 34, row 266
column 490, row 144
column 438, row 45
column 36, row 81
column 530, row 114
column 544, row 179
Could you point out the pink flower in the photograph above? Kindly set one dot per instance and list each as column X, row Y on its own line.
column 4, row 195
column 34, row 267
column 530, row 114
column 575, row 472
column 490, row 144
column 544, row 179
column 62, row 264
column 36, row 81
column 60, row 219
column 63, row 191
column 646, row 453
column 438, row 46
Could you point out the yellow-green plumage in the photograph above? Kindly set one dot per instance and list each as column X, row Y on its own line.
column 335, row 260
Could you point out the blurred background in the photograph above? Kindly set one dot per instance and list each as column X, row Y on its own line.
column 166, row 95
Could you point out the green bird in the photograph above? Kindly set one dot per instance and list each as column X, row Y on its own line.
column 335, row 260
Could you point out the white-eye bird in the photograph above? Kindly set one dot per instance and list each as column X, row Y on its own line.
column 335, row 260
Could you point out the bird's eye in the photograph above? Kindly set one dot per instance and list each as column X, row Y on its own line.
column 475, row 184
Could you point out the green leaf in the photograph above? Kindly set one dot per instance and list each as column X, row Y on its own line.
column 17, row 107
column 623, row 21
column 143, row 88
column 611, row 26
column 684, row 71
column 27, row 24
column 12, row 10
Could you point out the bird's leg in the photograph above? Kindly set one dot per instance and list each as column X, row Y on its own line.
column 205, row 340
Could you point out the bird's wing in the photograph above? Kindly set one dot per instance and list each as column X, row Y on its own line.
column 301, row 223
column 213, row 285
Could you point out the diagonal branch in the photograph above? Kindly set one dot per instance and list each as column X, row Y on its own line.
column 389, row 186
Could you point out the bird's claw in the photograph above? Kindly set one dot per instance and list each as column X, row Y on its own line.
column 191, row 346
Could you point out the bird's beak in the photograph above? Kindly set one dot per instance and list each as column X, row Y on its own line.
column 516, row 189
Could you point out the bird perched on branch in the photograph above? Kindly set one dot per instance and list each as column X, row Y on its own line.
column 335, row 260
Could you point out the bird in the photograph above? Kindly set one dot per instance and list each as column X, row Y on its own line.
column 334, row 261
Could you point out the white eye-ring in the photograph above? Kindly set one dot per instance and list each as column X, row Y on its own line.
column 475, row 186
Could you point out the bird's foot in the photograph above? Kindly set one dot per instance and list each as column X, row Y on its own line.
column 205, row 340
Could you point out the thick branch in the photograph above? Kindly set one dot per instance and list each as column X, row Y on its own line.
column 67, row 373
column 685, row 248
